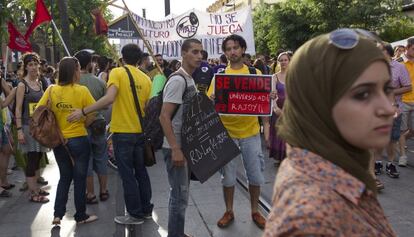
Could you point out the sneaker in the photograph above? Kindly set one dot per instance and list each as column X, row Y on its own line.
column 392, row 170
column 128, row 220
column 378, row 167
column 148, row 216
column 403, row 161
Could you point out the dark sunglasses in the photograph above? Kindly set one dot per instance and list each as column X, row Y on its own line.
column 347, row 38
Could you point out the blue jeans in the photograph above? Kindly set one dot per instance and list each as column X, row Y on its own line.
column 178, row 178
column 79, row 148
column 129, row 154
column 99, row 155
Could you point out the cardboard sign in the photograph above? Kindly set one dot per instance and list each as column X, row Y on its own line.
column 206, row 144
column 243, row 94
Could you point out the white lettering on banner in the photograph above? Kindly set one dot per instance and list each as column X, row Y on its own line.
column 166, row 37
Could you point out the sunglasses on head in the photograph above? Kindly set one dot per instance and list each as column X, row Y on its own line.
column 347, row 38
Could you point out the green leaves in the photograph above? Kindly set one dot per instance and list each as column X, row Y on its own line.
column 289, row 24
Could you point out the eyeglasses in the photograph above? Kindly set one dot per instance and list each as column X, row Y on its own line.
column 347, row 38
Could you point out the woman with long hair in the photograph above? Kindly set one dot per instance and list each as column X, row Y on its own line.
column 29, row 92
column 277, row 147
column 73, row 157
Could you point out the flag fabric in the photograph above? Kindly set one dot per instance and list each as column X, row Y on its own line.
column 101, row 27
column 41, row 15
column 16, row 40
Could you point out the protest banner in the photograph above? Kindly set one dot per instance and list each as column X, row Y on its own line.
column 205, row 142
column 243, row 94
column 166, row 37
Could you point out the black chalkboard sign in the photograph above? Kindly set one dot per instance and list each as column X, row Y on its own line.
column 205, row 142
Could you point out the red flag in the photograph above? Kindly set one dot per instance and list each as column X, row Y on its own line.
column 41, row 15
column 101, row 27
column 16, row 40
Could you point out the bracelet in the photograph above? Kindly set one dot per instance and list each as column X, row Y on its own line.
column 83, row 112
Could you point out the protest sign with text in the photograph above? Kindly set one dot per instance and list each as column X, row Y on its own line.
column 166, row 37
column 243, row 94
column 205, row 142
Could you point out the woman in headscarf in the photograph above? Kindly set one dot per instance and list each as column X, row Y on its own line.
column 339, row 106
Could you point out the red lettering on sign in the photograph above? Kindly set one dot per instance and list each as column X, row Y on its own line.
column 224, row 29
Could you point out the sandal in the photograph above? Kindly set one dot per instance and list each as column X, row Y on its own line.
column 8, row 187
column 42, row 181
column 90, row 219
column 43, row 192
column 38, row 199
column 56, row 221
column 226, row 220
column 104, row 196
column 259, row 220
column 91, row 200
column 5, row 193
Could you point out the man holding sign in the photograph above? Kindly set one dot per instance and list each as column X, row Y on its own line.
column 245, row 131
column 180, row 88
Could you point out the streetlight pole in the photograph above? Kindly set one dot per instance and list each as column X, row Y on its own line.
column 53, row 35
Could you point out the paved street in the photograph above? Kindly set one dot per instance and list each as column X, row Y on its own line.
column 20, row 218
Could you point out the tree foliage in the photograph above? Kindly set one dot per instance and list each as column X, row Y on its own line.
column 290, row 23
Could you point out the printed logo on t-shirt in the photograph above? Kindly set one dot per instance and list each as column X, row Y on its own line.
column 64, row 105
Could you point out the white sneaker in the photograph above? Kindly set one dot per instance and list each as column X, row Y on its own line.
column 128, row 220
column 403, row 161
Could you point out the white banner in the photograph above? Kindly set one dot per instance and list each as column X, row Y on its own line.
column 166, row 37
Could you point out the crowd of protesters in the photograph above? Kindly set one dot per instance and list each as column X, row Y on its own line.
column 308, row 128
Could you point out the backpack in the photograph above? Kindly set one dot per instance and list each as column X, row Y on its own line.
column 152, row 125
column 44, row 127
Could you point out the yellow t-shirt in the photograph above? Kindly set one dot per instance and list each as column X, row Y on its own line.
column 124, row 116
column 409, row 97
column 238, row 126
column 65, row 99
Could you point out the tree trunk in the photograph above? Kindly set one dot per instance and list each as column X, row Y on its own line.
column 64, row 20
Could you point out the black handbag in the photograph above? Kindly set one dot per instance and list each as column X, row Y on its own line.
column 149, row 153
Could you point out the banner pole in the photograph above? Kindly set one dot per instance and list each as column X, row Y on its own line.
column 61, row 39
column 143, row 38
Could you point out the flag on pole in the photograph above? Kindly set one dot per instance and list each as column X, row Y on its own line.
column 16, row 40
column 101, row 27
column 41, row 15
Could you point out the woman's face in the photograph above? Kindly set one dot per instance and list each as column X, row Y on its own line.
column 284, row 61
column 32, row 68
column 364, row 114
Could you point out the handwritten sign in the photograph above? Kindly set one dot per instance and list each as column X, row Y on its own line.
column 166, row 37
column 243, row 94
column 206, row 144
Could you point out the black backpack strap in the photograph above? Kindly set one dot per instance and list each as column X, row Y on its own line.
column 252, row 70
column 185, row 90
column 136, row 101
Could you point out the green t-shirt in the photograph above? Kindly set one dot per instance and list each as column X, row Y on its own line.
column 95, row 86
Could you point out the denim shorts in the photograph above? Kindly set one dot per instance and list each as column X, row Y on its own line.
column 407, row 116
column 99, row 156
column 253, row 161
column 396, row 129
